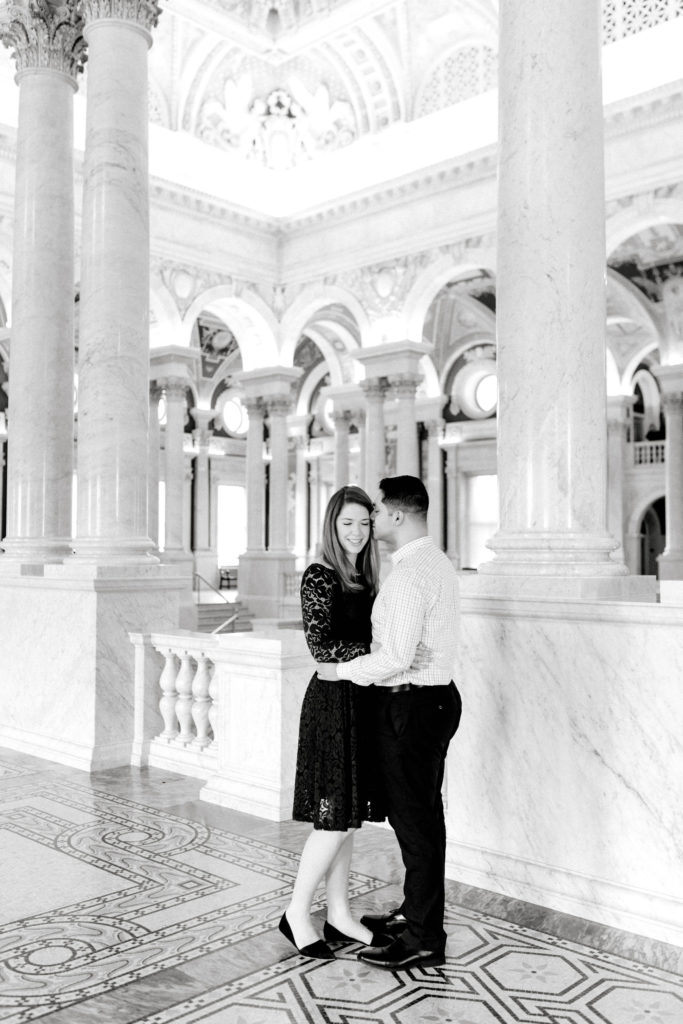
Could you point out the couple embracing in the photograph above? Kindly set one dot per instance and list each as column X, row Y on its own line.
column 376, row 721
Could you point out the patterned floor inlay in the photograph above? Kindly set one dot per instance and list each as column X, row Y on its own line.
column 119, row 910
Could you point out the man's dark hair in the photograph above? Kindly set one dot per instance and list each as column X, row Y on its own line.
column 406, row 493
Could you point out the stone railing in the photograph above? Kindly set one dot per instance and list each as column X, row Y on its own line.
column 225, row 709
column 649, row 453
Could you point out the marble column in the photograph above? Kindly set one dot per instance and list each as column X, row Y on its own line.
column 435, row 481
column 552, row 445
column 618, row 419
column 452, row 506
column 174, row 467
column 154, row 457
column 204, row 548
column 114, row 335
column 278, row 408
column 297, row 428
column 48, row 48
column 2, row 480
column 671, row 382
column 374, row 390
column 342, row 423
column 255, row 476
column 403, row 387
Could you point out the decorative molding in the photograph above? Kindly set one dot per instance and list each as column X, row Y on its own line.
column 145, row 13
column 42, row 36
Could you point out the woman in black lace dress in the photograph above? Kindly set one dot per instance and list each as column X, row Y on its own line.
column 334, row 779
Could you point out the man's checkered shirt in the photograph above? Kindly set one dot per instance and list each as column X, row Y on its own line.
column 418, row 602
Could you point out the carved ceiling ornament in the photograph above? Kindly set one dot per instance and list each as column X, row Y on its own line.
column 185, row 282
column 281, row 129
column 44, row 35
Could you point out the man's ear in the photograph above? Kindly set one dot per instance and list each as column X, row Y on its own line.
column 398, row 516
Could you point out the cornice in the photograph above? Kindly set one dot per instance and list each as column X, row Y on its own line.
column 647, row 110
column 164, row 193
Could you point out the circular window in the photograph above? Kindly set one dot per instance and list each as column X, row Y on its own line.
column 486, row 393
column 233, row 414
column 475, row 388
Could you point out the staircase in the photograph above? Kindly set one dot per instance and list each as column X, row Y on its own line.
column 211, row 615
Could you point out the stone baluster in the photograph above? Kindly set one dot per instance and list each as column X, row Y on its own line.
column 214, row 699
column 201, row 701
column 552, row 455
column 256, row 476
column 114, row 326
column 374, row 390
column 167, row 703
column 278, row 407
column 174, row 467
column 154, row 456
column 403, row 387
column 48, row 49
column 183, row 705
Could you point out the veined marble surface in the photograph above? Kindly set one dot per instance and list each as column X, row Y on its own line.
column 564, row 781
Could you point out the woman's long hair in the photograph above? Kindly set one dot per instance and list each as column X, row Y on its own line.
column 367, row 561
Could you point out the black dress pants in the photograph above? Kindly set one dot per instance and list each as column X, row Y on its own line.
column 414, row 728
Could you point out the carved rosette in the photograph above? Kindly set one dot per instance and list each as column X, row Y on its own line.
column 142, row 12
column 43, row 36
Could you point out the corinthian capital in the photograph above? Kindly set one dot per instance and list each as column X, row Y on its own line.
column 142, row 12
column 44, row 36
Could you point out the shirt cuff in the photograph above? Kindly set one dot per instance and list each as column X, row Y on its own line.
column 339, row 670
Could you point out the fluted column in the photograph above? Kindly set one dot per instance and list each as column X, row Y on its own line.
column 154, row 457
column 552, row 442
column 48, row 50
column 403, row 387
column 671, row 382
column 342, row 423
column 114, row 336
column 174, row 467
column 374, row 390
column 278, row 407
column 256, row 476
column 202, row 484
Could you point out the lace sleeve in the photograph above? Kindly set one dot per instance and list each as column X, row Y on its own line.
column 317, row 586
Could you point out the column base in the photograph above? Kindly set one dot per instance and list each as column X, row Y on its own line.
column 670, row 565
column 264, row 579
column 565, row 554
column 36, row 552
column 114, row 551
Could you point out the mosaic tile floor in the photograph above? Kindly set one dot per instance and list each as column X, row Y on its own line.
column 125, row 899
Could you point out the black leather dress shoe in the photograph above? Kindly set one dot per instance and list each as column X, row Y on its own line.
column 398, row 957
column 379, row 939
column 392, row 923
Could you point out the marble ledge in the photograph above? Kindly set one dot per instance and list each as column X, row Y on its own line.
column 91, row 576
column 573, row 610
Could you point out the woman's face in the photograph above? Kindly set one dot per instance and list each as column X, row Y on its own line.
column 353, row 529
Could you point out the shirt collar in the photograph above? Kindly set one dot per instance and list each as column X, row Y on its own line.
column 407, row 549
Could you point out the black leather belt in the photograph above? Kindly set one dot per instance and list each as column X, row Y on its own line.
column 401, row 687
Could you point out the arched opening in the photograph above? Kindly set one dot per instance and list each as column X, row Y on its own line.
column 652, row 537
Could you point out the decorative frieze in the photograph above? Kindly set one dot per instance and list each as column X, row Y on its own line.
column 42, row 36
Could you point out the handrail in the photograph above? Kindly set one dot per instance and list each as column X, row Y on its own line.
column 196, row 576
column 224, row 624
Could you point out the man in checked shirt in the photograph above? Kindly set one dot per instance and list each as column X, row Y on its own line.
column 417, row 713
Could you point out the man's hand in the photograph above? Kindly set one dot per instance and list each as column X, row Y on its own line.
column 424, row 656
column 327, row 670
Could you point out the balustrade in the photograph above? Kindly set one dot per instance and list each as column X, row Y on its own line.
column 649, row 453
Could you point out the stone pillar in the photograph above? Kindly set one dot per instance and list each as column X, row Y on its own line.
column 552, row 445
column 342, row 423
column 434, row 481
column 204, row 550
column 114, row 334
column 278, row 408
column 154, row 456
column 375, row 453
column 618, row 417
column 452, row 506
column 402, row 387
column 255, row 476
column 297, row 427
column 48, row 50
column 174, row 468
column 671, row 382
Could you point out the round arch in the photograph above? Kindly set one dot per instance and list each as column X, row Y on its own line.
column 640, row 508
column 315, row 299
column 430, row 282
column 629, row 221
column 249, row 318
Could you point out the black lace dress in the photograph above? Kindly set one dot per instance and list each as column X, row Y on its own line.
column 336, row 781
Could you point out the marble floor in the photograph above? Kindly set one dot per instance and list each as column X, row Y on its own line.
column 125, row 899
